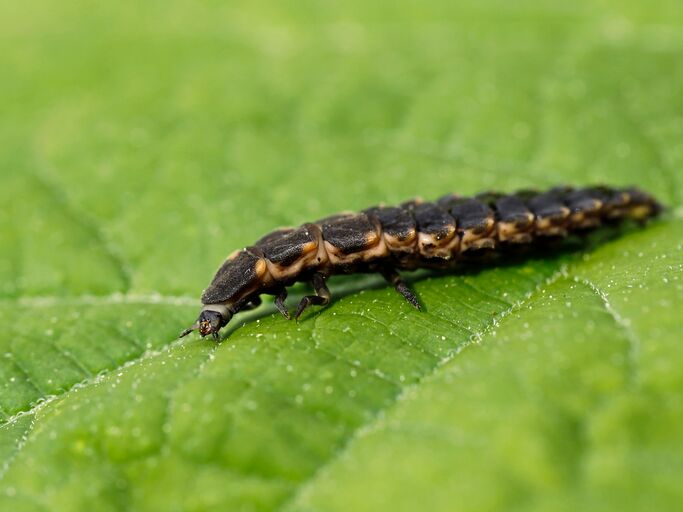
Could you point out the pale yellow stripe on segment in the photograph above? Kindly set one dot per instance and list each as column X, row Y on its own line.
column 396, row 244
column 376, row 249
column 310, row 257
column 640, row 212
column 473, row 239
column 432, row 247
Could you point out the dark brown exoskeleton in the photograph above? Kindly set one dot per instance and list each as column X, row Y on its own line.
column 413, row 235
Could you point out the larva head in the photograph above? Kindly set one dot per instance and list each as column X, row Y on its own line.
column 231, row 288
column 211, row 320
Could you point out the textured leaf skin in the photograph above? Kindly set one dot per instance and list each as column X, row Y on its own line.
column 142, row 144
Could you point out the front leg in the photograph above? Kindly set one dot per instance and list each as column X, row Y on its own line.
column 321, row 298
column 252, row 304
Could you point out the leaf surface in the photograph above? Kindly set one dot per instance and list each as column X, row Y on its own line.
column 142, row 144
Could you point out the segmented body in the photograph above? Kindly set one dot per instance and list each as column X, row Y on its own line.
column 415, row 234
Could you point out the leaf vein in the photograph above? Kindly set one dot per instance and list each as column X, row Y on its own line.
column 85, row 221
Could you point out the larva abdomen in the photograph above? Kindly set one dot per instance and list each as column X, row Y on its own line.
column 412, row 235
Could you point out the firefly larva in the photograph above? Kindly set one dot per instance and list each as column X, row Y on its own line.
column 415, row 234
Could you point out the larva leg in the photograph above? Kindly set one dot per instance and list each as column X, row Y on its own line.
column 401, row 287
column 322, row 295
column 252, row 304
column 280, row 303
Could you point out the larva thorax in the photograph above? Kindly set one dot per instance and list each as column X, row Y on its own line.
column 412, row 235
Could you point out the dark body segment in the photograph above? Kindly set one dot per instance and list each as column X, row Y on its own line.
column 241, row 272
column 436, row 228
column 475, row 220
column 512, row 209
column 471, row 214
column 284, row 247
column 290, row 253
column 273, row 236
column 349, row 234
column 415, row 234
column 587, row 200
column 631, row 202
column 586, row 206
column 434, row 221
column 396, row 222
column 515, row 221
column 351, row 242
column 550, row 211
column 398, row 227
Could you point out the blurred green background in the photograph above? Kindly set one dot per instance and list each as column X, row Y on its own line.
column 143, row 142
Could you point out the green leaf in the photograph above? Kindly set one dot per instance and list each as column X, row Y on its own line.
column 142, row 144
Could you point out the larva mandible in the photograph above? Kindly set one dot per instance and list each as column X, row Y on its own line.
column 415, row 234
